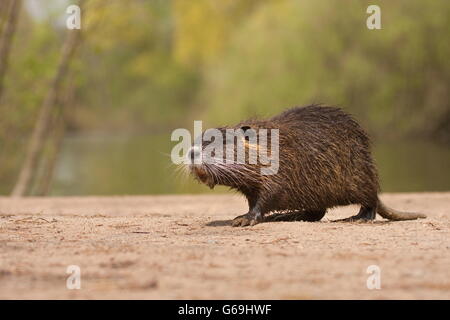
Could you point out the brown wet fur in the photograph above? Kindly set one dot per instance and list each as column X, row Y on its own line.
column 324, row 162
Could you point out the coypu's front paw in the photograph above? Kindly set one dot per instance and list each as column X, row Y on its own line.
column 244, row 220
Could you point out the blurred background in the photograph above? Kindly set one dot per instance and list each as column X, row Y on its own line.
column 90, row 112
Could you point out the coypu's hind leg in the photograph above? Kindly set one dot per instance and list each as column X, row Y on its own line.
column 309, row 216
column 365, row 214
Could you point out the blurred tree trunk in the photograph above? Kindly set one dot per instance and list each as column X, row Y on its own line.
column 4, row 5
column 10, row 13
column 56, row 139
column 39, row 134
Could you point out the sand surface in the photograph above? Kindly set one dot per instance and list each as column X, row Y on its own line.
column 182, row 247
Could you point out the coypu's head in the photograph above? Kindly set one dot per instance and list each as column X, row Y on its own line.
column 238, row 157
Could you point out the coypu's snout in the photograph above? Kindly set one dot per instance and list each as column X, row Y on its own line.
column 193, row 154
column 197, row 168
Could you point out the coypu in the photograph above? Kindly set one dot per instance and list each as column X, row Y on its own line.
column 324, row 161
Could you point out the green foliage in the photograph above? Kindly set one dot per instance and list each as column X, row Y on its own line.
column 298, row 52
column 204, row 27
column 127, row 56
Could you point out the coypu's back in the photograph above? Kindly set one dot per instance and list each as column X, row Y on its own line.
column 325, row 161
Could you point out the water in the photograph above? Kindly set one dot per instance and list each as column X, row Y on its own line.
column 99, row 164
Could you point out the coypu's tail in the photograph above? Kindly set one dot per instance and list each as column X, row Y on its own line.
column 396, row 215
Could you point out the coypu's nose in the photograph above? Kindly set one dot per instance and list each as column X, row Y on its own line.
column 193, row 153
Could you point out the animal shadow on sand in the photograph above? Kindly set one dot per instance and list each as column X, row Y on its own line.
column 288, row 217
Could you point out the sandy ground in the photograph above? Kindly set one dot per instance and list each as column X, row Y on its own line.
column 182, row 247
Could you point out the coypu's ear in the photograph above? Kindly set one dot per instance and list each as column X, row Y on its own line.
column 244, row 129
